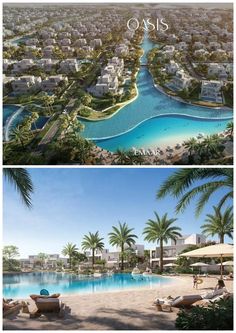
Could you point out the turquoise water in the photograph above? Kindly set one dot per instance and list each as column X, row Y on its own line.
column 22, row 285
column 161, row 132
column 13, row 116
column 151, row 103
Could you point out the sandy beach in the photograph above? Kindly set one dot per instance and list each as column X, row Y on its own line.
column 120, row 310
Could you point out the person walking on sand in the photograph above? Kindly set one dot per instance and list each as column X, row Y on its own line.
column 194, row 281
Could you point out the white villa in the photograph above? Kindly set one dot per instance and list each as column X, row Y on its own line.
column 211, row 91
column 26, row 84
column 171, row 251
column 108, row 81
column 69, row 65
column 218, row 70
column 112, row 258
column 181, row 80
column 52, row 82
column 33, row 261
column 21, row 66
column 121, row 50
column 172, row 67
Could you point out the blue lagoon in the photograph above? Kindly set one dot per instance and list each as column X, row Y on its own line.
column 154, row 118
column 22, row 285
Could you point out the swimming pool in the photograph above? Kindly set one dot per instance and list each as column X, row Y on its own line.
column 13, row 115
column 145, row 121
column 22, row 285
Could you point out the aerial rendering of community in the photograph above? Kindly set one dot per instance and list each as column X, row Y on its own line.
column 118, row 249
column 117, row 84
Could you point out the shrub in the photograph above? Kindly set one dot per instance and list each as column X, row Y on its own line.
column 217, row 316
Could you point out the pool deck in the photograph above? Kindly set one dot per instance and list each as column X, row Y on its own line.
column 121, row 310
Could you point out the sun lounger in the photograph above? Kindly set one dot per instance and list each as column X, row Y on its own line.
column 12, row 310
column 207, row 301
column 48, row 304
column 178, row 302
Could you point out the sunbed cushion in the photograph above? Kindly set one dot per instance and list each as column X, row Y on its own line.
column 186, row 300
column 47, row 300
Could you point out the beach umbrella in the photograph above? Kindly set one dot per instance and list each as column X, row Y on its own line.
column 170, row 265
column 212, row 251
column 226, row 263
column 199, row 264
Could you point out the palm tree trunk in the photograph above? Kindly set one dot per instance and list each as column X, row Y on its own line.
column 93, row 258
column 70, row 261
column 122, row 257
column 222, row 238
column 161, row 256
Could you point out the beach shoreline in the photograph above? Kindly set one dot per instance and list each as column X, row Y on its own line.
column 123, row 310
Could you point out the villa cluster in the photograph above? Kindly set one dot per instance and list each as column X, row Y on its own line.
column 53, row 45
column 198, row 48
column 112, row 258
column 108, row 82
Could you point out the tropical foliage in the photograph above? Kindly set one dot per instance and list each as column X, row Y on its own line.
column 10, row 264
column 70, row 250
column 209, row 180
column 121, row 236
column 216, row 316
column 161, row 230
column 21, row 180
column 219, row 223
column 92, row 242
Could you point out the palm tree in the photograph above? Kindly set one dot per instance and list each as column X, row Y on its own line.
column 21, row 180
column 92, row 242
column 183, row 180
column 34, row 117
column 70, row 250
column 230, row 128
column 124, row 157
column 160, row 231
column 219, row 223
column 191, row 145
column 20, row 135
column 121, row 236
column 211, row 146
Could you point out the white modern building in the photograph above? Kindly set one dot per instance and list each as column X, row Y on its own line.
column 211, row 91
column 181, row 80
column 51, row 262
column 171, row 251
column 52, row 82
column 26, row 84
column 69, row 66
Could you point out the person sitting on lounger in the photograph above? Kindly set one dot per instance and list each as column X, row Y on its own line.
column 220, row 285
column 44, row 293
column 219, row 290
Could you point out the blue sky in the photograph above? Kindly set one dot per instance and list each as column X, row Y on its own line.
column 68, row 203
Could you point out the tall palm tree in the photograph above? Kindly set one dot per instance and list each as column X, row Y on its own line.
column 160, row 231
column 121, row 236
column 219, row 223
column 92, row 242
column 181, row 183
column 21, row 180
column 70, row 250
